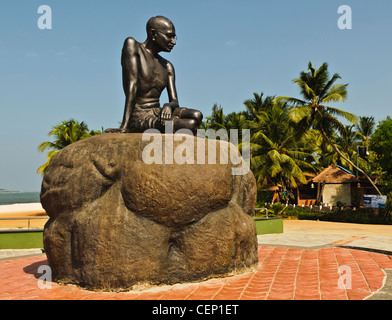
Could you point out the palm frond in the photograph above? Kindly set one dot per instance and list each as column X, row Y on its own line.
column 338, row 93
column 306, row 90
column 327, row 87
column 299, row 113
column 294, row 102
column 64, row 134
column 347, row 115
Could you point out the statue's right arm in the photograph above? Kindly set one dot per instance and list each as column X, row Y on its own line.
column 130, row 70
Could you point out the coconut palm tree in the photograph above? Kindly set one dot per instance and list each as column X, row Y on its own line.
column 65, row 133
column 278, row 156
column 347, row 142
column 365, row 129
column 257, row 105
column 318, row 90
column 236, row 120
column 217, row 119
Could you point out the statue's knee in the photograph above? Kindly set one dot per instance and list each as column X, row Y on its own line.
column 198, row 116
column 193, row 124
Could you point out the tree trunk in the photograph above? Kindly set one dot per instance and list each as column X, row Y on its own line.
column 348, row 160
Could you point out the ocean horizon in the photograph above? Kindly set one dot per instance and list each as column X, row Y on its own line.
column 19, row 198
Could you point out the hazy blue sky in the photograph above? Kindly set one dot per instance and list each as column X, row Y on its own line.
column 226, row 50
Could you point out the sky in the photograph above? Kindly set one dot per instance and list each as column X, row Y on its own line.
column 226, row 50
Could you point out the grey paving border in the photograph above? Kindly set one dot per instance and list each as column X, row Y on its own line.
column 385, row 293
column 10, row 254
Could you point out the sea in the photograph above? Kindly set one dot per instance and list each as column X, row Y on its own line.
column 19, row 197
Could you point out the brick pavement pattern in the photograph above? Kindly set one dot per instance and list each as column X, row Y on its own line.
column 282, row 274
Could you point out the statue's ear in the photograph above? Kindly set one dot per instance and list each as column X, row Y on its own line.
column 153, row 34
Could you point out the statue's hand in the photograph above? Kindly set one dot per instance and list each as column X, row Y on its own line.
column 166, row 112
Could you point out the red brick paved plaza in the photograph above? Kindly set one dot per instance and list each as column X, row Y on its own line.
column 282, row 274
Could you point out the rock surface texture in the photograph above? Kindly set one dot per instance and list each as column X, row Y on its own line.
column 116, row 221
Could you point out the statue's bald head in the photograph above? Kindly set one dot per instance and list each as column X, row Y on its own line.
column 158, row 23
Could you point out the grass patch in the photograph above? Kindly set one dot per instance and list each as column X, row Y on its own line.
column 21, row 240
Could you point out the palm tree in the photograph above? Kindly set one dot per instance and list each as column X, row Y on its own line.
column 318, row 90
column 365, row 129
column 278, row 156
column 65, row 133
column 347, row 142
column 258, row 105
column 236, row 120
column 217, row 119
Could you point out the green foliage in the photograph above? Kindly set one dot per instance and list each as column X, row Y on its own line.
column 279, row 153
column 277, row 209
column 381, row 145
column 64, row 134
column 217, row 119
column 317, row 90
column 291, row 137
column 365, row 129
column 363, row 215
column 388, row 206
column 264, row 197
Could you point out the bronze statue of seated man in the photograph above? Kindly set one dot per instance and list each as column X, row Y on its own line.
column 145, row 75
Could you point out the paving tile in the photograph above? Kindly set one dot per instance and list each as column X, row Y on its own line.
column 307, row 297
column 280, row 296
column 205, row 292
column 325, row 296
column 179, row 294
column 283, row 274
column 358, row 295
column 257, row 296
column 382, row 260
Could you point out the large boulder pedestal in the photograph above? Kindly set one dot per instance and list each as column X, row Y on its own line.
column 117, row 221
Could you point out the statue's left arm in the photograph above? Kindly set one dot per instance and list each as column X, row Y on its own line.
column 168, row 108
column 171, row 88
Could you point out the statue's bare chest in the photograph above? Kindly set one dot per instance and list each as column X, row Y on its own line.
column 153, row 71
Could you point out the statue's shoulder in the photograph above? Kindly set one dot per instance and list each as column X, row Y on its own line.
column 166, row 62
column 131, row 44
